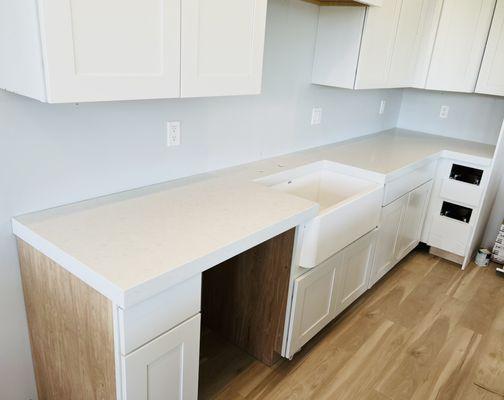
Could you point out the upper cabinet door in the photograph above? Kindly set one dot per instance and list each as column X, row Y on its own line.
column 96, row 50
column 378, row 41
column 222, row 47
column 416, row 33
column 460, row 43
column 491, row 77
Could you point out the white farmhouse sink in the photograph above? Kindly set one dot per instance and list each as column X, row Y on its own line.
column 350, row 205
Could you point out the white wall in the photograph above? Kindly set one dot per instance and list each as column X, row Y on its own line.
column 472, row 117
column 496, row 218
column 56, row 154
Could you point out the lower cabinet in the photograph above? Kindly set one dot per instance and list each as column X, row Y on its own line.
column 400, row 229
column 165, row 368
column 326, row 290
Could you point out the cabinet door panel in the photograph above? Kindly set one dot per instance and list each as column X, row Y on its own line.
column 356, row 266
column 314, row 301
column 491, row 78
column 460, row 43
column 222, row 47
column 111, row 50
column 388, row 233
column 166, row 368
column 416, row 33
column 378, row 40
column 412, row 223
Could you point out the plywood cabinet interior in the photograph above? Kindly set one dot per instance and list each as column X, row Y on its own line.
column 460, row 44
column 90, row 50
column 491, row 76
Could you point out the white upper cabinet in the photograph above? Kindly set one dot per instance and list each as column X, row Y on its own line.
column 491, row 77
column 101, row 50
column 460, row 44
column 110, row 50
column 376, row 47
column 416, row 34
column 222, row 47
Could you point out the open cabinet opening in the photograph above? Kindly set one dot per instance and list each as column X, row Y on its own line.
column 243, row 311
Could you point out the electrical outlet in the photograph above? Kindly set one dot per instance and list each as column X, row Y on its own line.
column 383, row 105
column 443, row 113
column 316, row 117
column 173, row 133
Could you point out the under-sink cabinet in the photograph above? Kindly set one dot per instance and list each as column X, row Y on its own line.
column 65, row 51
column 325, row 291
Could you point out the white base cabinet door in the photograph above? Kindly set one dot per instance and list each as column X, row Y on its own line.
column 165, row 368
column 388, row 234
column 400, row 229
column 326, row 290
column 413, row 220
column 314, row 301
column 491, row 77
column 222, row 47
column 356, row 263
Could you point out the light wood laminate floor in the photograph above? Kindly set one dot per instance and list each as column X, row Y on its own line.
column 425, row 331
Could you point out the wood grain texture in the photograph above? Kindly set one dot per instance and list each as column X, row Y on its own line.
column 426, row 331
column 245, row 298
column 71, row 332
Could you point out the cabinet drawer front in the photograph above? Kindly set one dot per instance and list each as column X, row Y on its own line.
column 145, row 321
column 461, row 192
column 400, row 186
column 449, row 235
column 166, row 368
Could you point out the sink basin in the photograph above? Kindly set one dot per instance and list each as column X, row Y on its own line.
column 350, row 202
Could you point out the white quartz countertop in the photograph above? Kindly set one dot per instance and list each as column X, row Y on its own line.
column 133, row 245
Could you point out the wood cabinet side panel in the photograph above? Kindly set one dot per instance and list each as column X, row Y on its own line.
column 71, row 331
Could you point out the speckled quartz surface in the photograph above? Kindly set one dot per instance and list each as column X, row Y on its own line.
column 133, row 245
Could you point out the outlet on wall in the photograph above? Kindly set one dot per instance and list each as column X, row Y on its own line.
column 316, row 117
column 173, row 133
column 383, row 105
column 443, row 113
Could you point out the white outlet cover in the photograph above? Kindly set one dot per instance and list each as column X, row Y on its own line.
column 316, row 118
column 443, row 113
column 173, row 133
column 383, row 105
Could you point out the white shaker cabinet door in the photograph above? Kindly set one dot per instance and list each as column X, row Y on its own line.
column 99, row 50
column 314, row 301
column 388, row 234
column 165, row 368
column 377, row 47
column 416, row 33
column 413, row 221
column 356, row 266
column 460, row 44
column 222, row 47
column 491, row 77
